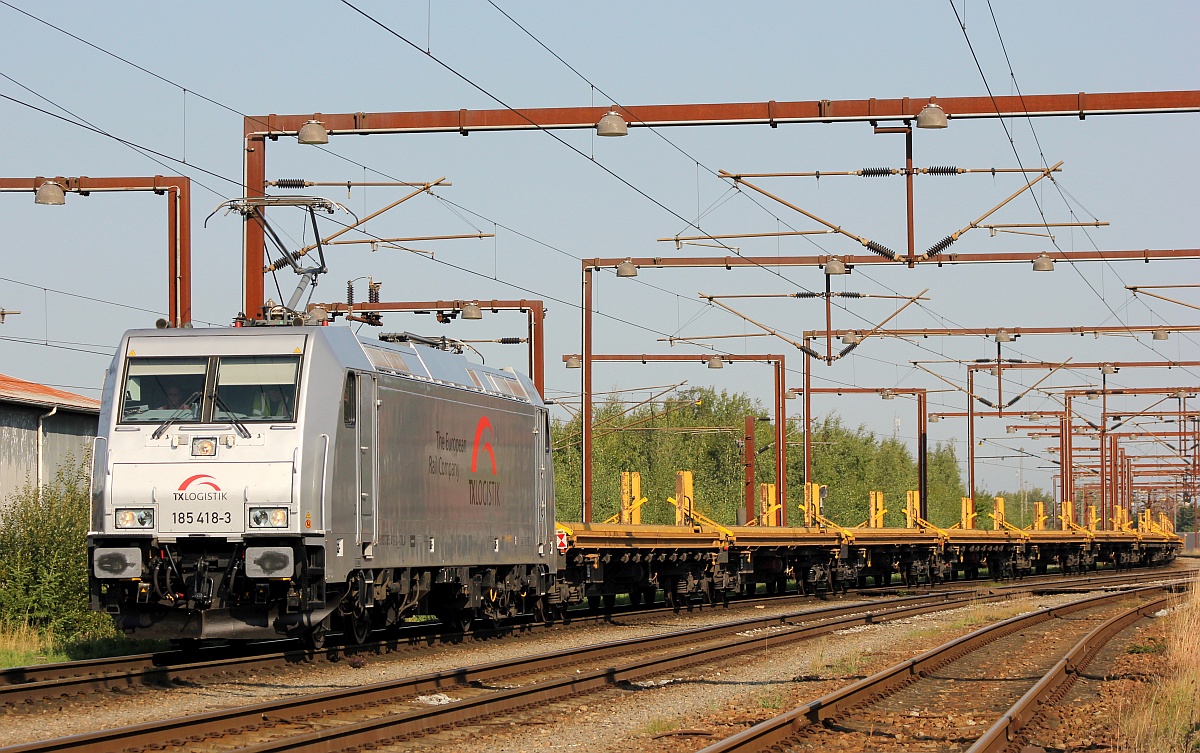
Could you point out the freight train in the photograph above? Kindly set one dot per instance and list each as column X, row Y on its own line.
column 256, row 482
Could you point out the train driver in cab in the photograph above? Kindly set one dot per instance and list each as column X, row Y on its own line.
column 271, row 402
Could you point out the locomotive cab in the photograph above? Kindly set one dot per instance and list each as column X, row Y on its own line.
column 196, row 505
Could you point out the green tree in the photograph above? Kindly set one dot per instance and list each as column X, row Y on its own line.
column 1019, row 506
column 702, row 430
column 698, row 430
column 43, row 557
column 1185, row 518
column 945, row 485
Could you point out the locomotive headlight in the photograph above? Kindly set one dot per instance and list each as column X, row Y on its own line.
column 139, row 517
column 268, row 517
column 204, row 447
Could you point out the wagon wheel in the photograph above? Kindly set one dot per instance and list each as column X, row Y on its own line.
column 541, row 614
column 608, row 603
column 649, row 593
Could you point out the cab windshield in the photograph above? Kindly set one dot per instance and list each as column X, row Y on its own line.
column 181, row 390
column 256, row 388
column 157, row 389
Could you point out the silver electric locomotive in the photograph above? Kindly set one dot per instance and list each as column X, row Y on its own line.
column 263, row 481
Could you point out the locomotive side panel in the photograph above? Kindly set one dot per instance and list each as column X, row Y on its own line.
column 457, row 479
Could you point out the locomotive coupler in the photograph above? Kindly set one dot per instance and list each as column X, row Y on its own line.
column 202, row 587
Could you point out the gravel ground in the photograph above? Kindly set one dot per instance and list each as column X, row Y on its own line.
column 714, row 699
column 141, row 704
column 689, row 710
column 1085, row 718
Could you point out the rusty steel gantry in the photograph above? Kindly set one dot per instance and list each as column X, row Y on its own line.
column 178, row 190
column 259, row 129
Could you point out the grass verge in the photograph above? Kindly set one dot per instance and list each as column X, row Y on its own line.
column 1163, row 715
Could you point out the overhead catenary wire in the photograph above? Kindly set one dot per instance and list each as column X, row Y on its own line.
column 1016, row 153
column 634, row 324
column 365, row 167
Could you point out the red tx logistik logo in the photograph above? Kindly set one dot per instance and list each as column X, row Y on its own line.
column 185, row 494
column 196, row 480
column 482, row 442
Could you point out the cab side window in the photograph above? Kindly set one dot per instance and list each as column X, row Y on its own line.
column 350, row 400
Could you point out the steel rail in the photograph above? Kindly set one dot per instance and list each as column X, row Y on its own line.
column 380, row 731
column 189, row 730
column 27, row 684
column 106, row 665
column 1001, row 735
column 22, row 685
column 780, row 728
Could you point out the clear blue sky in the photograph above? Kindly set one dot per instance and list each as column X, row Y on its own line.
column 550, row 206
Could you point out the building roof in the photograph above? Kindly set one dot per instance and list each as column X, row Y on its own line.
column 13, row 390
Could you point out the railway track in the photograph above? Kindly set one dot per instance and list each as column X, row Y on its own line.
column 392, row 710
column 22, row 685
column 1007, row 732
column 887, row 708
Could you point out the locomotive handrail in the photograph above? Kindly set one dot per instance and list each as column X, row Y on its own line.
column 324, row 478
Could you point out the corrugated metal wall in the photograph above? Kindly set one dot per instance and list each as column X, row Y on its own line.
column 18, row 447
column 68, row 434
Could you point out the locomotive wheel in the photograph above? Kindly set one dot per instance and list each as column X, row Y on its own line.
column 358, row 625
column 314, row 638
column 455, row 621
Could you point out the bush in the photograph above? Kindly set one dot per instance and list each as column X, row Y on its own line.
column 43, row 558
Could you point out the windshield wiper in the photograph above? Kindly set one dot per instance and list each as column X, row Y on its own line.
column 237, row 423
column 178, row 414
